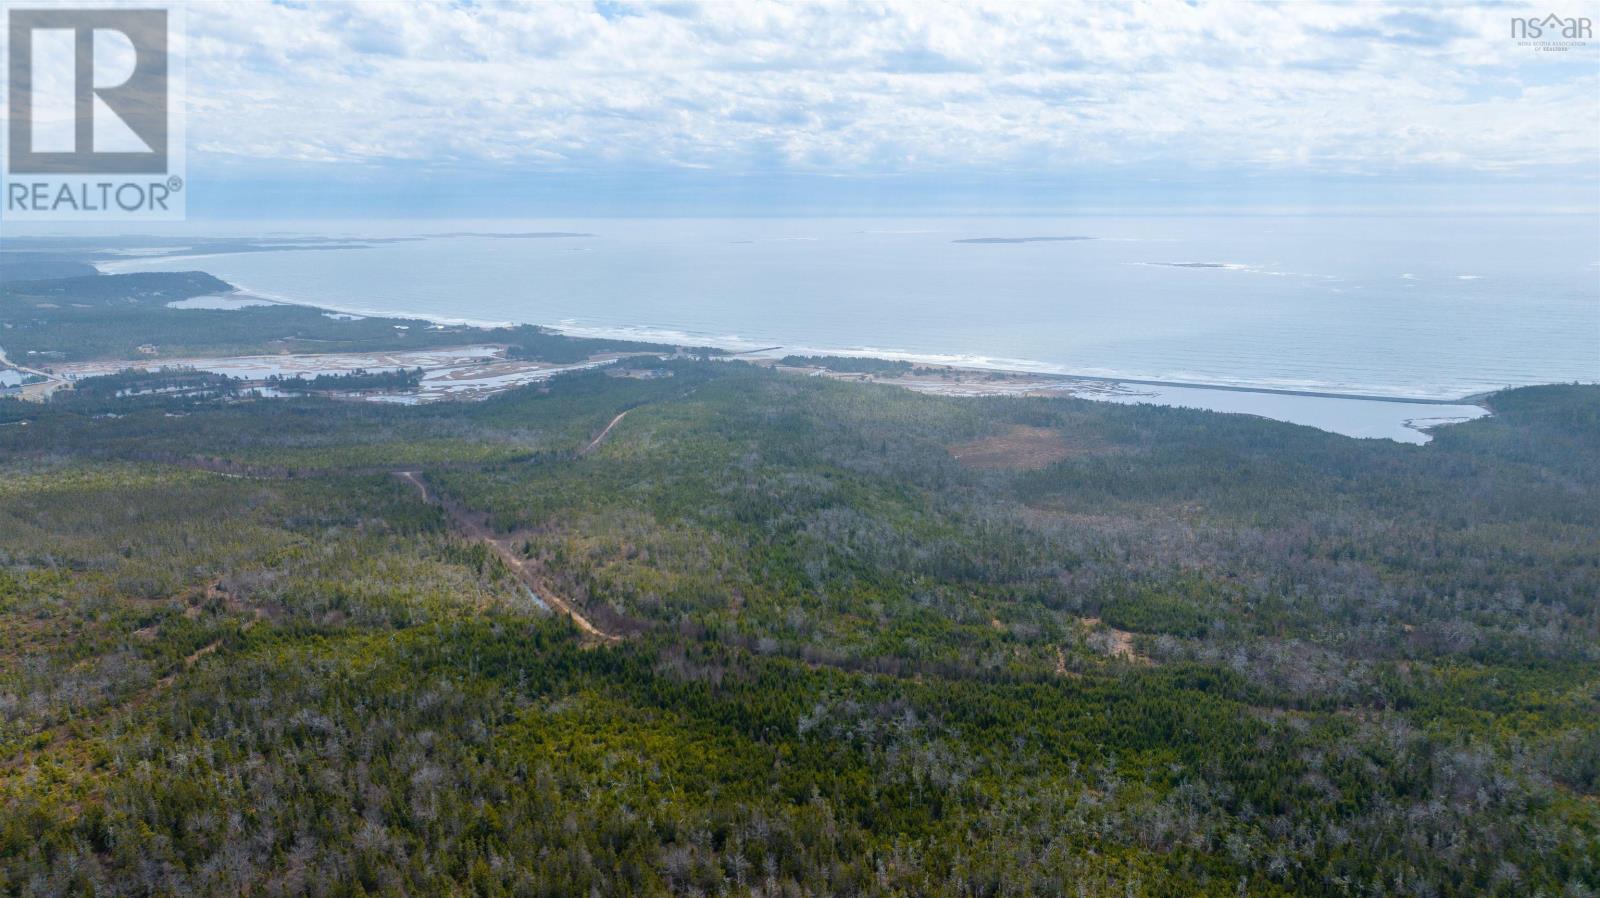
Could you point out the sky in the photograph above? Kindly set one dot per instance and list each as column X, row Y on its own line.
column 315, row 109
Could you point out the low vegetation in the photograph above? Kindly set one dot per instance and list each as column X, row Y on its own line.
column 127, row 316
column 357, row 381
column 877, row 643
column 847, row 364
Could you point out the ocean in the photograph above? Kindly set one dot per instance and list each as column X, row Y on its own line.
column 1403, row 307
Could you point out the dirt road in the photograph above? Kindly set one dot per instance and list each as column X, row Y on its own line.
column 522, row 567
column 596, row 441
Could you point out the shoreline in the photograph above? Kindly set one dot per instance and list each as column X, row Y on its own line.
column 1358, row 417
column 645, row 333
column 1477, row 399
column 753, row 350
column 481, row 370
column 1358, row 414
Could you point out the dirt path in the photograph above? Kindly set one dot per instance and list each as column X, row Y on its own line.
column 596, row 441
column 191, row 658
column 524, row 569
column 60, row 734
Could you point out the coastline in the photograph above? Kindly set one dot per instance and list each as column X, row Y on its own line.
column 1357, row 413
column 754, row 346
column 1473, row 399
column 757, row 350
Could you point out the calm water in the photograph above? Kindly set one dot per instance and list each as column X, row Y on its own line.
column 1420, row 307
column 1402, row 307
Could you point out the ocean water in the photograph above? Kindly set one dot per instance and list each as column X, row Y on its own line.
column 1412, row 307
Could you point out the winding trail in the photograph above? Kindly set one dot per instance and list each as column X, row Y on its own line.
column 525, row 570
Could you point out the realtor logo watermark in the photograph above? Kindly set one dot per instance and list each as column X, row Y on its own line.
column 94, row 124
column 1552, row 33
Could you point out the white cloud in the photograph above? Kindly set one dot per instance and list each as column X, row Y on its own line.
column 887, row 87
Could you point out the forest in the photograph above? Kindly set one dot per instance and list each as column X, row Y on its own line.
column 845, row 639
column 128, row 316
column 848, row 364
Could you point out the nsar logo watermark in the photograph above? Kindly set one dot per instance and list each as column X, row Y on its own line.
column 94, row 116
column 1553, row 33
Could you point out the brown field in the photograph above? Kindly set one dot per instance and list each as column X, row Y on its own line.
column 1020, row 448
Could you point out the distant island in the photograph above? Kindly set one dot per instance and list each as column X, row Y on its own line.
column 524, row 235
column 1018, row 239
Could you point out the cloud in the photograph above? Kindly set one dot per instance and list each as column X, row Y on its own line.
column 903, row 87
column 1406, row 29
column 877, row 88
